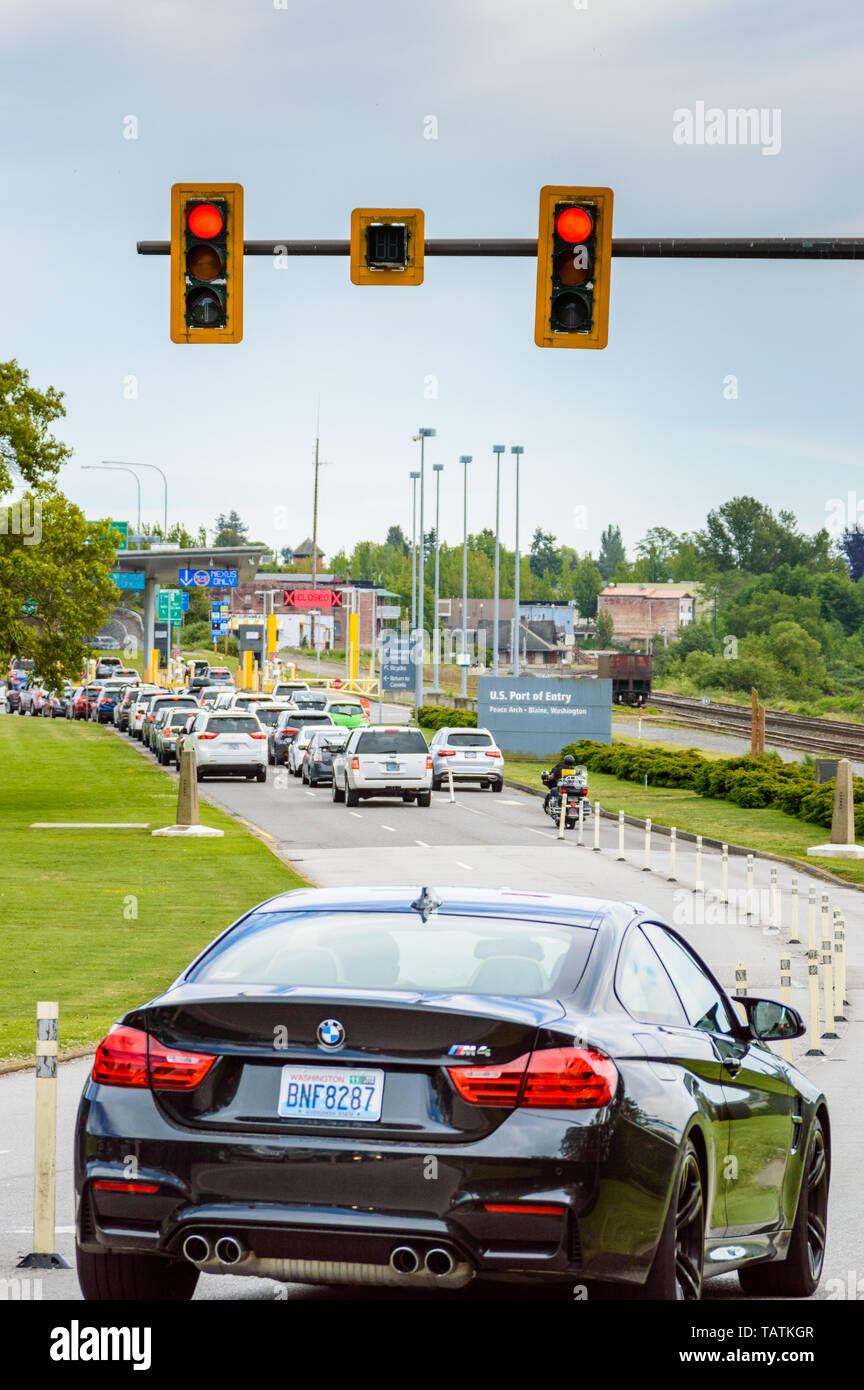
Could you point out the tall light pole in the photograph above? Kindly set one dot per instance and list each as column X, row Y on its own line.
column 438, row 469
column 464, row 459
column 121, row 468
column 414, row 477
column 112, row 463
column 518, row 450
column 422, row 435
column 498, row 450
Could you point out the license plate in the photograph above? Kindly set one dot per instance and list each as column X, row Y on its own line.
column 233, row 747
column 470, row 755
column 392, row 767
column 330, row 1093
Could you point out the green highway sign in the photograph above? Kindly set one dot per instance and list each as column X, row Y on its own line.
column 123, row 528
column 170, row 606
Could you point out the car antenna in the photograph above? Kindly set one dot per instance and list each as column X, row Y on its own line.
column 426, row 904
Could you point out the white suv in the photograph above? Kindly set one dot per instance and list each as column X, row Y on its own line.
column 383, row 760
column 227, row 742
column 472, row 755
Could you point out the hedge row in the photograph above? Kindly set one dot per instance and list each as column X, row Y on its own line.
column 435, row 717
column 747, row 782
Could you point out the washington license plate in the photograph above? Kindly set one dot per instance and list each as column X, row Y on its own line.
column 330, row 1093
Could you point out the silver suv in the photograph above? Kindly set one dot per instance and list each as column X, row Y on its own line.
column 472, row 755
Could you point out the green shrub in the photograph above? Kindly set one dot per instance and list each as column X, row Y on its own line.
column 436, row 717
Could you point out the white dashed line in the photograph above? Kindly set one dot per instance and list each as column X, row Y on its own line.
column 310, row 793
column 391, row 828
column 547, row 834
column 355, row 813
column 465, row 866
column 421, row 843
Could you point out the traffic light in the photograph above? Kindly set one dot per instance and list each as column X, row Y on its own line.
column 574, row 254
column 387, row 246
column 206, row 263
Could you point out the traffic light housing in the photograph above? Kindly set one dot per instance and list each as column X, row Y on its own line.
column 387, row 246
column 206, row 263
column 574, row 256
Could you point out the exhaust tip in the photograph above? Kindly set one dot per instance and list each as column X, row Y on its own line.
column 440, row 1262
column 228, row 1250
column 196, row 1249
column 405, row 1260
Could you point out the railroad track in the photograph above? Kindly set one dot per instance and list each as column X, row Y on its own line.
column 829, row 737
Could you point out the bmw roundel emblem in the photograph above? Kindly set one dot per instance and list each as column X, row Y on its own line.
column 331, row 1033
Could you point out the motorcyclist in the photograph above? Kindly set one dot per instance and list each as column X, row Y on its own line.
column 554, row 775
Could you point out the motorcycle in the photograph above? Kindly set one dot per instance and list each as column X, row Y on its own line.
column 575, row 784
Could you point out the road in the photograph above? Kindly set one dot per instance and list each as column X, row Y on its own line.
column 498, row 840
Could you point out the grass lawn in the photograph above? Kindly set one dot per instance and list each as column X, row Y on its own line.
column 770, row 831
column 103, row 920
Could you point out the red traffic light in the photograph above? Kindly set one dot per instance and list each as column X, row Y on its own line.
column 574, row 225
column 204, row 220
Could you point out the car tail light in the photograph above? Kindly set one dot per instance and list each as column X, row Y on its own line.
column 492, row 753
column 428, row 762
column 446, row 752
column 130, row 1057
column 559, row 1078
column 203, row 736
column 257, row 735
column 355, row 764
column 146, row 1187
column 526, row 1208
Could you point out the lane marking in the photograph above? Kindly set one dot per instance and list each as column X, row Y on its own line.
column 472, row 809
column 355, row 813
column 388, row 827
column 465, row 866
column 257, row 829
column 310, row 793
column 421, row 843
column 547, row 834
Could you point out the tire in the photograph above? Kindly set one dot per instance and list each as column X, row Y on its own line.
column 113, row 1276
column 424, row 798
column 676, row 1274
column 798, row 1275
column 569, row 824
column 352, row 798
column 261, row 774
column 336, row 794
column 199, row 773
column 437, row 784
column 497, row 786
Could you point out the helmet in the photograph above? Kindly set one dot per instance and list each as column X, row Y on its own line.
column 569, row 761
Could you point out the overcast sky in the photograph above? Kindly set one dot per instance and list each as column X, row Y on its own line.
column 319, row 108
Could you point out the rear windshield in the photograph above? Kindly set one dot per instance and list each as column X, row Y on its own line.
column 178, row 718
column 469, row 741
column 391, row 741
column 268, row 714
column 175, row 701
column 349, row 708
column 303, row 699
column 233, row 724
column 377, row 950
column 325, row 739
column 294, row 718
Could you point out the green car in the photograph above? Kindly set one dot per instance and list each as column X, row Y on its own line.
column 349, row 712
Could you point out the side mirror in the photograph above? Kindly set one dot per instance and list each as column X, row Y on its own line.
column 772, row 1022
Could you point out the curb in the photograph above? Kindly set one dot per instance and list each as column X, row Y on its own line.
column 802, row 865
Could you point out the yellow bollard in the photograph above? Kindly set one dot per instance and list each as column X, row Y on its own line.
column 773, row 927
column 562, row 816
column 597, row 827
column 749, row 882
column 581, row 840
column 814, row 1050
column 621, row 835
column 44, row 1254
column 826, row 908
column 724, row 874
column 741, row 979
column 450, row 783
column 672, row 844
column 794, row 938
column 839, row 968
column 700, row 884
column 811, row 920
column 786, row 998
column 646, row 867
column 829, row 1030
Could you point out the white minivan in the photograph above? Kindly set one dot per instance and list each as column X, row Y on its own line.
column 383, row 760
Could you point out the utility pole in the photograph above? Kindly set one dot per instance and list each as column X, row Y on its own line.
column 315, row 519
column 498, row 450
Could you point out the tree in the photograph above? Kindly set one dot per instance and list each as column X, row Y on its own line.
column 545, row 557
column 612, row 552
column 28, row 453
column 605, row 629
column 230, row 530
column 397, row 541
column 64, row 573
column 177, row 534
column 851, row 547
column 587, row 584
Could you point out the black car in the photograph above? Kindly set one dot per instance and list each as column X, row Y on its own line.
column 280, row 737
column 317, row 763
column 412, row 1089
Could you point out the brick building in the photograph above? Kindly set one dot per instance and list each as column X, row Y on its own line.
column 640, row 612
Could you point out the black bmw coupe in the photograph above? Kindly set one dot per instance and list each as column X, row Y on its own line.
column 417, row 1088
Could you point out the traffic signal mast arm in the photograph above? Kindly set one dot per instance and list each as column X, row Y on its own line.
column 645, row 248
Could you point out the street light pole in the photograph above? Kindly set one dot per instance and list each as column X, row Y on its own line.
column 422, row 435
column 438, row 468
column 121, row 468
column 518, row 450
column 414, row 477
column 464, row 459
column 164, row 489
column 498, row 450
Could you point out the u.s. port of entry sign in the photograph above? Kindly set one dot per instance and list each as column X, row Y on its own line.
column 537, row 715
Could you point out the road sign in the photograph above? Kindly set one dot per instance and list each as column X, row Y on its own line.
column 397, row 668
column 128, row 579
column 170, row 607
column 184, row 602
column 29, row 606
column 208, row 579
column 311, row 598
column 123, row 528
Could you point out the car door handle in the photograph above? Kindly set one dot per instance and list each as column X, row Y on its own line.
column 732, row 1065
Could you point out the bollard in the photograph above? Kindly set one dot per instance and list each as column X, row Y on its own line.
column 814, row 1050
column 828, row 991
column 839, row 968
column 773, row 927
column 596, row 827
column 562, row 816
column 724, row 874
column 811, row 920
column 672, row 844
column 700, row 885
column 824, row 934
column 43, row 1254
column 843, row 996
column 794, row 939
column 621, row 835
column 646, row 867
column 581, row 820
column 749, row 882
column 786, row 998
column 450, row 783
column 741, row 979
